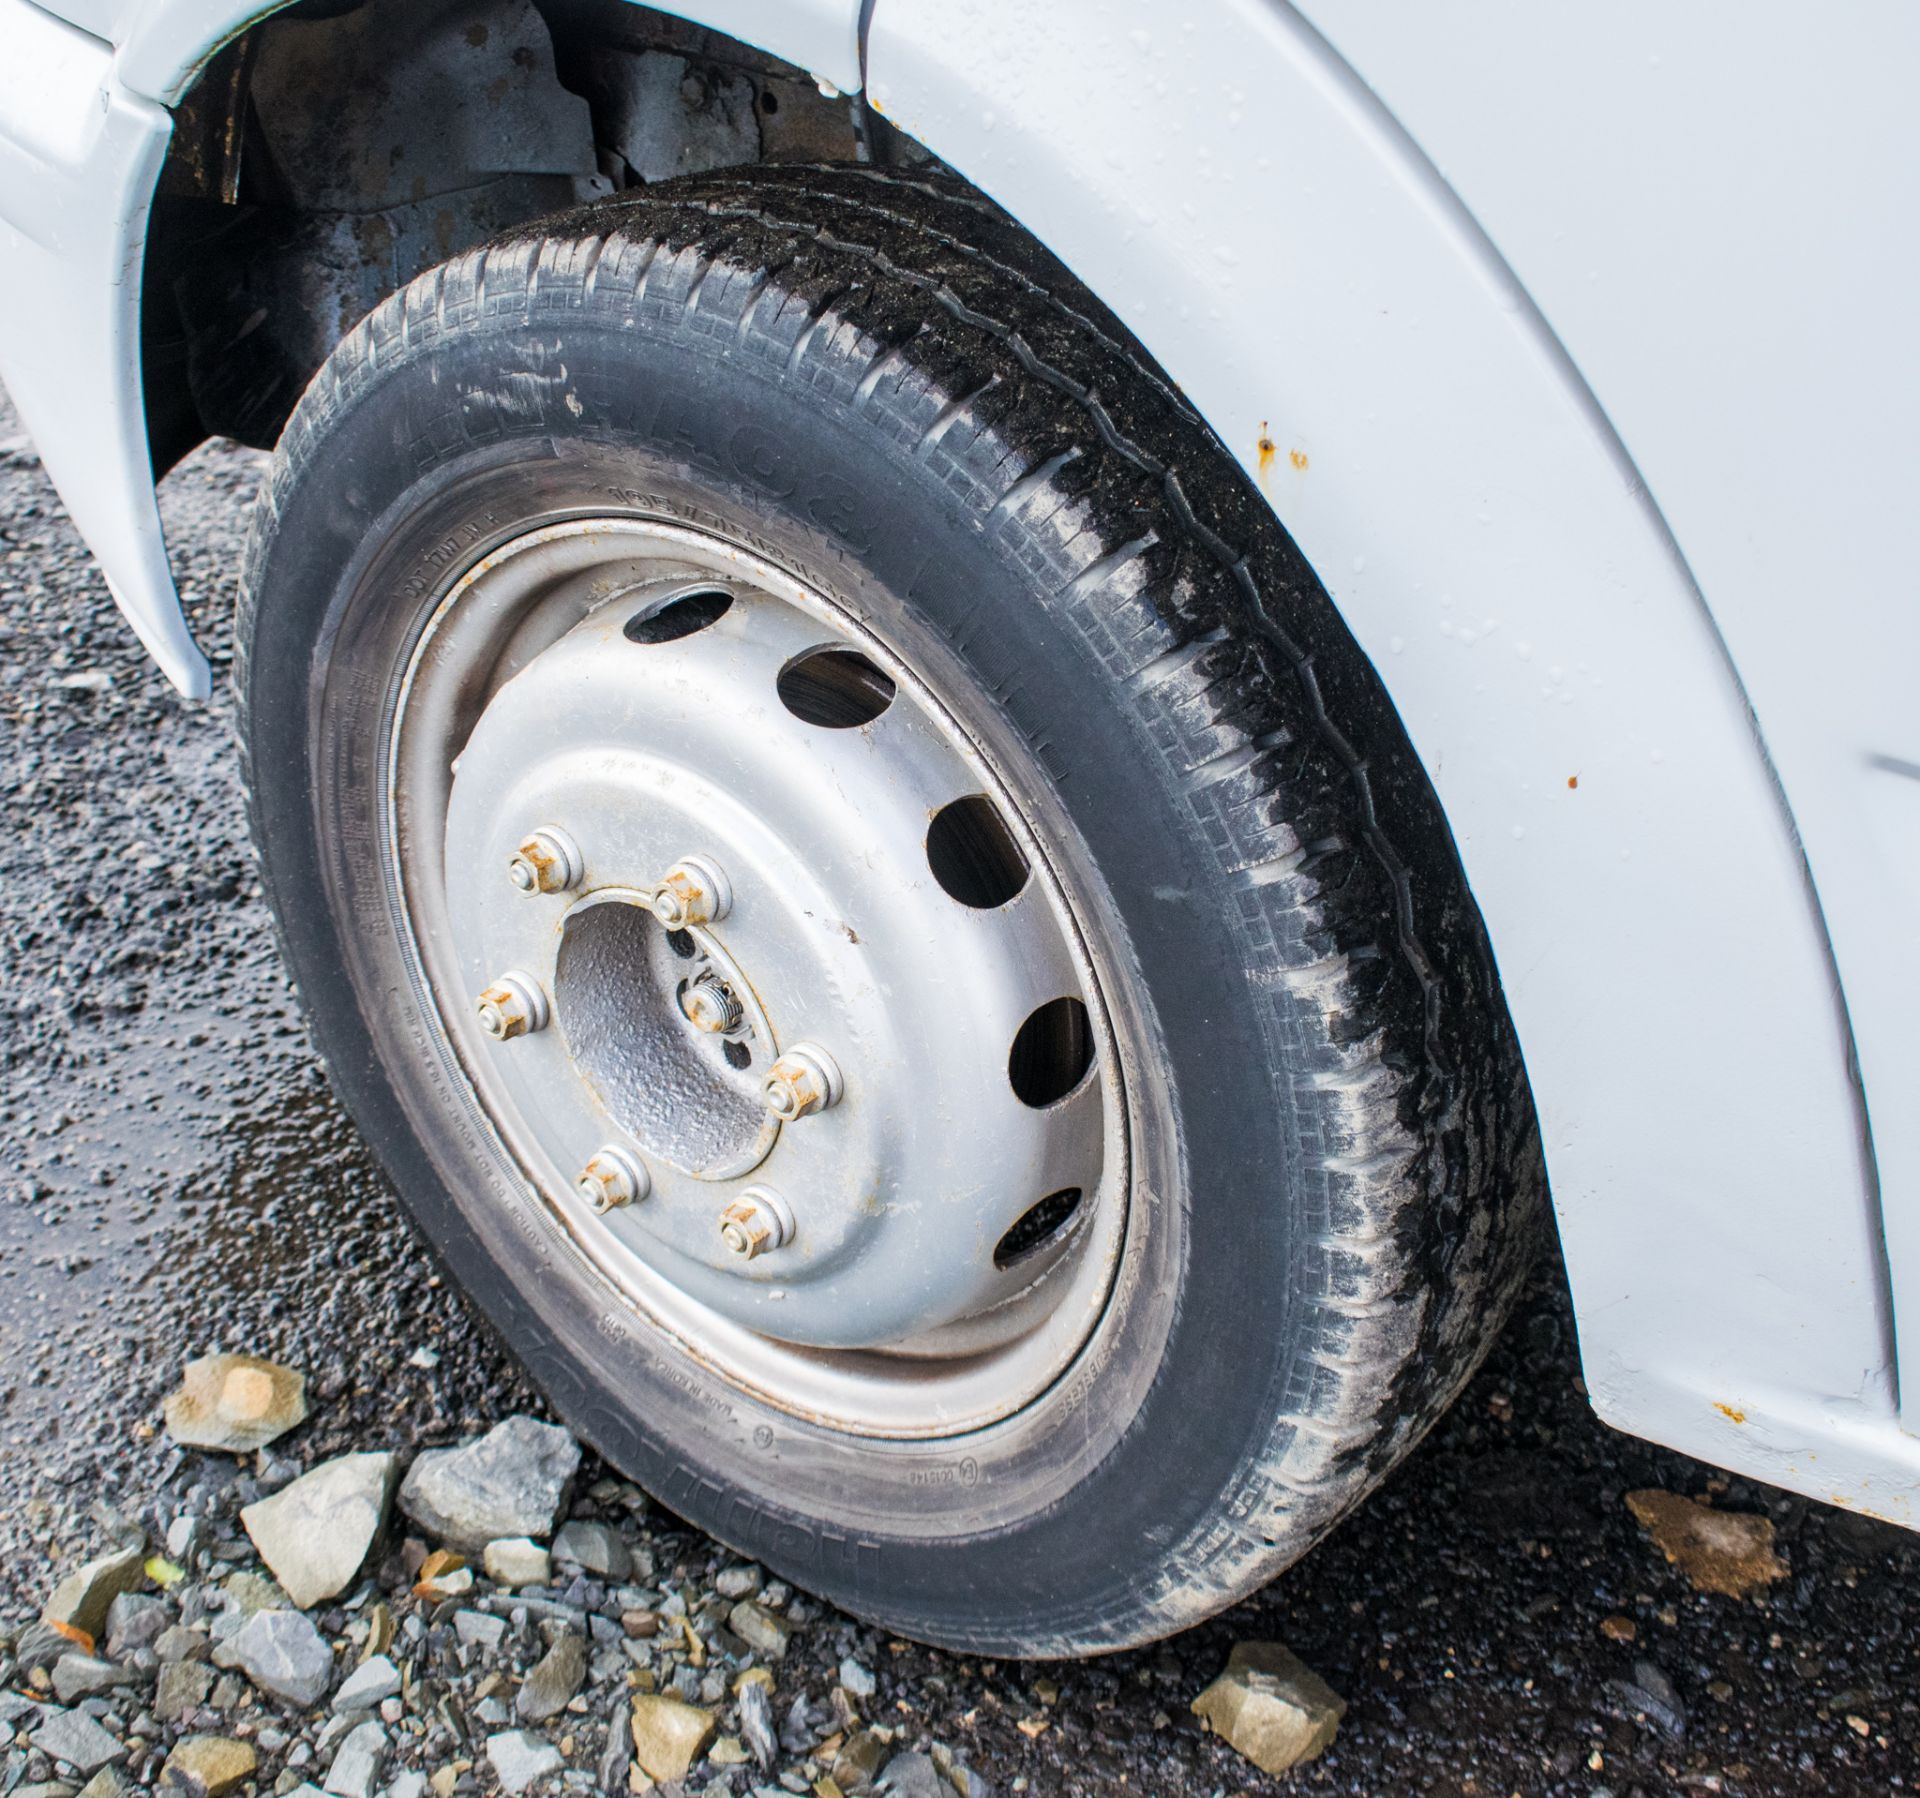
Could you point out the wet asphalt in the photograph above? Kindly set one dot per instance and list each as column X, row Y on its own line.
column 175, row 1178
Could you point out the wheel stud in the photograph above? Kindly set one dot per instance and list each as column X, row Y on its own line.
column 708, row 1003
column 759, row 1220
column 549, row 861
column 613, row 1178
column 804, row 1079
column 693, row 891
column 513, row 1006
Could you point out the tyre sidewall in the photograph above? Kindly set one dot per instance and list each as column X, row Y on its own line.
column 1139, row 1454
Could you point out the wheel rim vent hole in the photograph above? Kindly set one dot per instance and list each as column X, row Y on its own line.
column 738, row 1054
column 679, row 617
column 1037, row 1226
column 682, row 944
column 973, row 854
column 835, row 689
column 1051, row 1053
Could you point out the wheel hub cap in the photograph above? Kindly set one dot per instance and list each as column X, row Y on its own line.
column 860, row 1103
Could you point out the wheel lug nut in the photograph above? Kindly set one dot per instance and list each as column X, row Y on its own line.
column 708, row 1003
column 613, row 1178
column 513, row 1006
column 549, row 861
column 806, row 1078
column 759, row 1220
column 693, row 891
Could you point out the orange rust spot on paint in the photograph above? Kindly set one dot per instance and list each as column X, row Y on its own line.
column 1266, row 448
column 1573, row 780
column 1729, row 1411
column 1297, row 457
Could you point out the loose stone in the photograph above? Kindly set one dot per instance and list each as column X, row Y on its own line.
column 235, row 1403
column 370, row 1684
column 81, row 1600
column 594, row 1548
column 555, row 1678
column 760, row 1629
column 74, row 1737
column 1728, row 1552
column 206, row 1766
column 78, row 1676
column 356, row 1765
column 518, row 1758
column 1271, row 1706
column 669, row 1736
column 513, row 1481
column 516, row 1561
column 283, row 1654
column 181, row 1688
column 315, row 1533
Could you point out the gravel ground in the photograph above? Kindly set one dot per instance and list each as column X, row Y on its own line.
column 178, row 1180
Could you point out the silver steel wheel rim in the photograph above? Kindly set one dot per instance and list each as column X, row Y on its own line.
column 546, row 773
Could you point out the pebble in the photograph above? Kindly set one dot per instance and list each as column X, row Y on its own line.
column 861, row 1756
column 514, row 1561
column 369, row 1685
column 78, row 1676
column 206, row 1766
column 314, row 1534
column 356, row 1764
column 178, row 1642
column 1271, row 1706
column 443, row 1574
column 284, row 1655
column 247, row 1593
column 74, row 1737
column 911, row 1776
column 235, row 1403
column 595, row 1548
column 136, row 1620
column 1728, row 1552
column 756, row 1724
column 518, row 1758
column 41, row 1644
column 760, row 1629
column 668, row 1735
column 554, row 1680
column 181, row 1688
column 82, row 1600
column 513, row 1481
column 479, row 1629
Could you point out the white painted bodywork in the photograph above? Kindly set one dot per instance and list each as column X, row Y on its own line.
column 1561, row 426
column 79, row 156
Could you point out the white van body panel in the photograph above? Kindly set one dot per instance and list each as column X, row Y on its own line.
column 1739, row 296
column 79, row 158
column 1462, row 396
column 1278, row 241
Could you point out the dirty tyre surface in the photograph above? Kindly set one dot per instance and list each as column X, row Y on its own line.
column 876, row 383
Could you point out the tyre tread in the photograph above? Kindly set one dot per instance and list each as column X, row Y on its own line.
column 916, row 299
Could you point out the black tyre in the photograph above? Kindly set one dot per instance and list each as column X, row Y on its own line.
column 862, row 413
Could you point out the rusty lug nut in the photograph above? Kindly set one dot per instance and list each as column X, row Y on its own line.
column 513, row 1006
column 806, row 1078
column 708, row 1003
column 613, row 1178
column 759, row 1220
column 549, row 861
column 694, row 891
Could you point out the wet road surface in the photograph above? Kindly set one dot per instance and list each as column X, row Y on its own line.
column 176, row 1178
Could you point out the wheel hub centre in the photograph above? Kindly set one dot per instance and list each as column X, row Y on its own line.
column 744, row 1024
